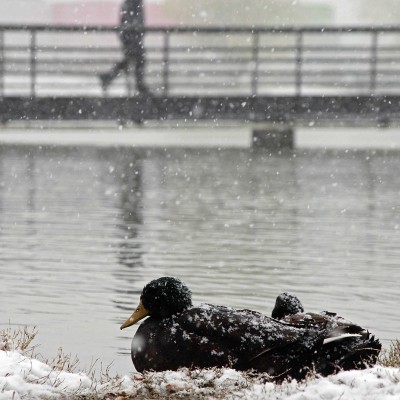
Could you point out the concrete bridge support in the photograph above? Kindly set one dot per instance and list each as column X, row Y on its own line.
column 273, row 138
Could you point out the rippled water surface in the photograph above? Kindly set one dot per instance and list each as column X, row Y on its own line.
column 83, row 229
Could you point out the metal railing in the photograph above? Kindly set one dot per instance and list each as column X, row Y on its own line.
column 39, row 61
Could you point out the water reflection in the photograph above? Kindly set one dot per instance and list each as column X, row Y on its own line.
column 82, row 230
column 130, row 254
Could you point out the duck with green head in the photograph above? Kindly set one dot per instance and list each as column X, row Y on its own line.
column 176, row 334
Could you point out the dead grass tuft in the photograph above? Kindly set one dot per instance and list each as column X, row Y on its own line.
column 21, row 340
column 391, row 356
column 18, row 339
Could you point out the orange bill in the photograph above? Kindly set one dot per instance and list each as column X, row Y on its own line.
column 140, row 313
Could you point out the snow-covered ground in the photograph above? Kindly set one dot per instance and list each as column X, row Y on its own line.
column 22, row 377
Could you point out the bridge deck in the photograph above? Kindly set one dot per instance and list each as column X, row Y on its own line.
column 203, row 73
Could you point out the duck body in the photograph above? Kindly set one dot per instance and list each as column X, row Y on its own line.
column 217, row 336
column 177, row 335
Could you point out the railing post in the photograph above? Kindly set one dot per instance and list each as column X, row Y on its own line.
column 33, row 62
column 254, row 80
column 166, row 62
column 374, row 61
column 2, row 62
column 299, row 62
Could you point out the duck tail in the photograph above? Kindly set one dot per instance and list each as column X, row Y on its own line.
column 348, row 351
column 365, row 354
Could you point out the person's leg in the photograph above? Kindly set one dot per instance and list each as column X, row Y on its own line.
column 107, row 77
column 140, row 65
column 139, row 74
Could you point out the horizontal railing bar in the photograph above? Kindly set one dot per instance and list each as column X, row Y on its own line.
column 43, row 85
column 226, row 58
column 83, row 51
column 263, row 77
column 320, row 78
column 211, row 61
column 202, row 49
column 205, row 29
column 100, row 50
column 199, row 61
column 66, row 49
column 192, row 73
column 242, row 67
column 184, row 83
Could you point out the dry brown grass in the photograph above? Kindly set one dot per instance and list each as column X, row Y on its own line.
column 391, row 356
column 21, row 340
column 18, row 339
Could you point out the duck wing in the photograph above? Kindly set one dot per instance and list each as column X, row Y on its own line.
column 253, row 340
column 334, row 324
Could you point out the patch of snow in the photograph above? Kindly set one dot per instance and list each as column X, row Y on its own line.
column 24, row 377
column 21, row 376
column 374, row 383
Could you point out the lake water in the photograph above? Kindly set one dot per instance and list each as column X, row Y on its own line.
column 83, row 229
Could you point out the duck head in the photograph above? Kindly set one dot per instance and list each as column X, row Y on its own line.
column 286, row 304
column 161, row 298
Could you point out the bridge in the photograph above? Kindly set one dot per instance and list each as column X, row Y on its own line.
column 291, row 75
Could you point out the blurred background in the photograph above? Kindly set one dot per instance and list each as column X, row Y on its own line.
column 206, row 12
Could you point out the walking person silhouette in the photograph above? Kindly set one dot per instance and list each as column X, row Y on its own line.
column 131, row 34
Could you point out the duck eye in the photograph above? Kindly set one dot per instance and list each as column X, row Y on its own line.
column 140, row 307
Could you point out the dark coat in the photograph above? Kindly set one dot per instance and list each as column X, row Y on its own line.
column 131, row 27
column 132, row 13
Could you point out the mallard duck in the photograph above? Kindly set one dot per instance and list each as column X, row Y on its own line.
column 176, row 335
